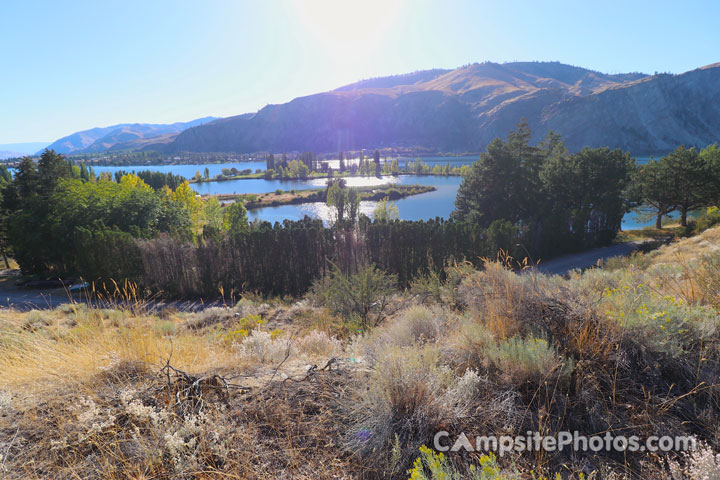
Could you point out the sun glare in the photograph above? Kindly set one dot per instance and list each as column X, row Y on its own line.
column 347, row 31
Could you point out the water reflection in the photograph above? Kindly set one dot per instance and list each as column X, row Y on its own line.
column 359, row 181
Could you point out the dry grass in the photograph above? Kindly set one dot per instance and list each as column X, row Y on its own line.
column 83, row 394
column 669, row 229
column 81, row 391
column 72, row 347
column 707, row 242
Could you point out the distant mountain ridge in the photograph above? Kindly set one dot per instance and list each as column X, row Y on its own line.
column 5, row 154
column 125, row 136
column 465, row 108
column 452, row 111
column 394, row 80
column 13, row 150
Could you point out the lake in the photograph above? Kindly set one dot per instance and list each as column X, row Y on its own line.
column 417, row 207
column 188, row 171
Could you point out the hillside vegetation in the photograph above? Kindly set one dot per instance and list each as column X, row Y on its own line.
column 353, row 380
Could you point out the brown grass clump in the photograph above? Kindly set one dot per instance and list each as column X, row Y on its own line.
column 86, row 395
column 125, row 427
column 707, row 242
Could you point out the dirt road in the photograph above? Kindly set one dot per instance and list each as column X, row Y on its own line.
column 562, row 265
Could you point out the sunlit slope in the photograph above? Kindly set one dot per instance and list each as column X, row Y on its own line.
column 465, row 108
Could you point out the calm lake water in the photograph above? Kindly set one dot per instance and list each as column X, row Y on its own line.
column 417, row 207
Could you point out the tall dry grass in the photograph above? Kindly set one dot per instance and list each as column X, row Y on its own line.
column 75, row 346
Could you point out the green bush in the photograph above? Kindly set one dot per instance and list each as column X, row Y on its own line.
column 364, row 294
column 523, row 359
column 709, row 219
column 440, row 286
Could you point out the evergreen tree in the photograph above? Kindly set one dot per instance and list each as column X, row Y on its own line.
column 353, row 204
column 710, row 157
column 586, row 196
column 376, row 159
column 655, row 186
column 494, row 188
column 51, row 168
column 24, row 185
column 692, row 181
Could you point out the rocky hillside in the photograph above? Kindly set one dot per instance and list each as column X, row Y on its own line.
column 125, row 136
column 465, row 108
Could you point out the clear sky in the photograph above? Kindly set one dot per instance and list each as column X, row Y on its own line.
column 72, row 65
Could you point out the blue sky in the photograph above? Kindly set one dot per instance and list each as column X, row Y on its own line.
column 73, row 65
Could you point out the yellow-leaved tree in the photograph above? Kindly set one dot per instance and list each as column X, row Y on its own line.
column 186, row 196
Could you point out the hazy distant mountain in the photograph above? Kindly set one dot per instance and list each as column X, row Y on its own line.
column 130, row 136
column 5, row 154
column 465, row 108
column 12, row 150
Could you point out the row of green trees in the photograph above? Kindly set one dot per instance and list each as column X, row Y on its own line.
column 563, row 201
column 283, row 259
column 685, row 180
column 156, row 180
column 306, row 162
column 366, row 166
column 309, row 162
column 50, row 202
column 558, row 201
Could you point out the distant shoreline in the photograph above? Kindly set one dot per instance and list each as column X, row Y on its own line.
column 276, row 199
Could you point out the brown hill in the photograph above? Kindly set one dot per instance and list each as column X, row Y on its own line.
column 465, row 108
